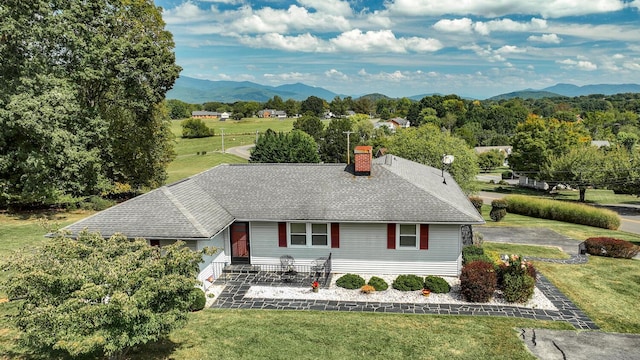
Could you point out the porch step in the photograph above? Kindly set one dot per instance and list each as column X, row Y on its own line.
column 241, row 269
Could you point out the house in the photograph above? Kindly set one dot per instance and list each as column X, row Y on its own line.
column 210, row 115
column 380, row 216
column 400, row 122
column 387, row 124
column 270, row 113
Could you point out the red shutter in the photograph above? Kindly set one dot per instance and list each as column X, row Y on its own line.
column 391, row 236
column 424, row 236
column 335, row 235
column 282, row 234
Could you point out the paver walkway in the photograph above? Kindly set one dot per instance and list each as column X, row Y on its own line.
column 233, row 297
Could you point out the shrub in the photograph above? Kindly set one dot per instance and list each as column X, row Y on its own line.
column 478, row 239
column 562, row 211
column 350, row 281
column 494, row 256
column 96, row 203
column 477, row 281
column 408, row 283
column 378, row 283
column 498, row 209
column 610, row 247
column 472, row 253
column 515, row 265
column 507, row 174
column 437, row 284
column 472, row 258
column 517, row 287
column 195, row 128
column 477, row 202
column 367, row 289
column 198, row 300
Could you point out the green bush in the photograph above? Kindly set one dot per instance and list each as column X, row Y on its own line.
column 563, row 211
column 610, row 247
column 96, row 203
column 408, row 283
column 472, row 258
column 436, row 284
column 507, row 174
column 198, row 299
column 195, row 128
column 378, row 283
column 350, row 281
column 477, row 202
column 478, row 281
column 472, row 253
column 498, row 209
column 517, row 287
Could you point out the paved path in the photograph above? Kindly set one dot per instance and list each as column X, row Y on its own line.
column 241, row 151
column 233, row 297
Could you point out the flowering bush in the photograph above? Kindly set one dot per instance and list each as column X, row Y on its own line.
column 516, row 278
column 315, row 285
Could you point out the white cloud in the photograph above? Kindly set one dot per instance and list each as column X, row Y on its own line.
column 466, row 26
column 295, row 18
column 186, row 13
column 618, row 56
column 485, row 52
column 510, row 49
column 291, row 76
column 635, row 4
column 545, row 38
column 455, row 26
column 303, row 43
column 493, row 8
column 335, row 74
column 635, row 66
column 383, row 41
column 332, row 7
column 579, row 64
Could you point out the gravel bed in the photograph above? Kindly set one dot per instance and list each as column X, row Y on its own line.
column 333, row 292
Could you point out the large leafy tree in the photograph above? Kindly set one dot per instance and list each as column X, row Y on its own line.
column 81, row 102
column 333, row 147
column 428, row 143
column 312, row 105
column 94, row 297
column 293, row 147
column 310, row 124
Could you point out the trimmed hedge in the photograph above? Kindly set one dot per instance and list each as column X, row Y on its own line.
column 478, row 281
column 562, row 211
column 610, row 247
column 378, row 283
column 198, row 299
column 498, row 209
column 473, row 253
column 408, row 283
column 477, row 202
column 350, row 281
column 436, row 284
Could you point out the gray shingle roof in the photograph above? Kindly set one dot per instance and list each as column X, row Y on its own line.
column 398, row 190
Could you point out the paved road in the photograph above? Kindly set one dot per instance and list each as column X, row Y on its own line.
column 629, row 214
column 241, row 151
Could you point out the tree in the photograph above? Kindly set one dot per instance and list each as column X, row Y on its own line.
column 178, row 109
column 59, row 73
column 338, row 107
column 195, row 128
column 490, row 160
column 94, row 297
column 580, row 167
column 313, row 105
column 292, row 107
column 333, row 147
column 275, row 103
column 312, row 125
column 428, row 143
column 294, row 147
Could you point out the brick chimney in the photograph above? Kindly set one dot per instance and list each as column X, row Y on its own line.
column 362, row 158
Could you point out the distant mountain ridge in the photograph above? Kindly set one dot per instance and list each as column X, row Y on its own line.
column 570, row 90
column 197, row 91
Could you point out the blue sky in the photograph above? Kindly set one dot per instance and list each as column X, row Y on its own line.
column 476, row 48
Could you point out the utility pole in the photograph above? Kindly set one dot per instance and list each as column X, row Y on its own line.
column 348, row 147
column 222, row 139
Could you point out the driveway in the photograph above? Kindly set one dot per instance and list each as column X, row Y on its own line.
column 241, row 151
column 529, row 236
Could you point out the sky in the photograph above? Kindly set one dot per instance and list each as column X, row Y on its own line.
column 472, row 48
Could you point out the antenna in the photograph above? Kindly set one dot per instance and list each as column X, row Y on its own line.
column 447, row 160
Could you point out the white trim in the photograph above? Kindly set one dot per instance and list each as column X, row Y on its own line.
column 417, row 236
column 309, row 235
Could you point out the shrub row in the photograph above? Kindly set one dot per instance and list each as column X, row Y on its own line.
column 563, row 211
column 474, row 253
column 610, row 247
column 355, row 281
column 403, row 282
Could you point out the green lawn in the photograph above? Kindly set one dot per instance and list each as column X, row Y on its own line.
column 272, row 334
column 547, row 252
column 188, row 165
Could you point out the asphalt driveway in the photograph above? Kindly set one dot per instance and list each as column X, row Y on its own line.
column 529, row 236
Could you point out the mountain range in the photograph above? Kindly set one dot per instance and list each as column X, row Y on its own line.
column 198, row 91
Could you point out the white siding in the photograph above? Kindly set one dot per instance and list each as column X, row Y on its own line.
column 363, row 249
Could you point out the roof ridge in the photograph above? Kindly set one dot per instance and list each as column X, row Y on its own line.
column 165, row 190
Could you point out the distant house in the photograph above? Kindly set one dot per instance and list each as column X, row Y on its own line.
column 600, row 143
column 270, row 113
column 386, row 124
column 307, row 211
column 399, row 122
column 205, row 114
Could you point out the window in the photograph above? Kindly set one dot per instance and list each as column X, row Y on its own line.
column 309, row 234
column 407, row 236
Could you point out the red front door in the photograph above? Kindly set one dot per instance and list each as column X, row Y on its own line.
column 240, row 243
